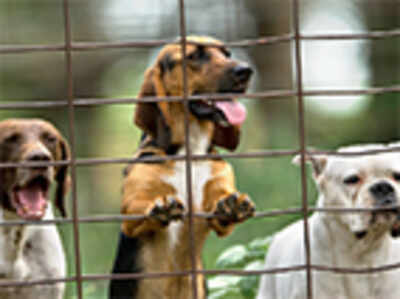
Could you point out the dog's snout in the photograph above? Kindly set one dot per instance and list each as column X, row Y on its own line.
column 382, row 189
column 38, row 156
column 242, row 72
column 384, row 193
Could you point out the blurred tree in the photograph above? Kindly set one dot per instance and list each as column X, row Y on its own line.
column 274, row 71
column 384, row 110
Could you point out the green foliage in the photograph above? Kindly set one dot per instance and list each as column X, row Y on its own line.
column 249, row 257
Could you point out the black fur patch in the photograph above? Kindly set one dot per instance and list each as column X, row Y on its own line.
column 5, row 201
column 200, row 55
column 173, row 149
column 125, row 262
column 167, row 63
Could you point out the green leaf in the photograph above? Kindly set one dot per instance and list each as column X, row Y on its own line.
column 256, row 255
column 224, row 294
column 223, row 282
column 235, row 256
column 260, row 244
column 248, row 284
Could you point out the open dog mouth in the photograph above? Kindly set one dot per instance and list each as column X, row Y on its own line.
column 225, row 112
column 30, row 200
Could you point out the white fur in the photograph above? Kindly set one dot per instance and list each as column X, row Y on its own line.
column 333, row 242
column 31, row 252
column 201, row 173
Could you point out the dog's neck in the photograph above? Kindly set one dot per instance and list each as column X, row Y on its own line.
column 12, row 239
column 199, row 141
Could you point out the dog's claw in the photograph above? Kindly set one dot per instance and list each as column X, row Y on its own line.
column 234, row 208
column 167, row 209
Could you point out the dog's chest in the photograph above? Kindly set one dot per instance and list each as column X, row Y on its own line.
column 31, row 252
column 200, row 173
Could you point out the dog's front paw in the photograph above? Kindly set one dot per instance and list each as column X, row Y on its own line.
column 234, row 208
column 167, row 209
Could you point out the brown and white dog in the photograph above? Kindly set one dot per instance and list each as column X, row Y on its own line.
column 160, row 243
column 31, row 252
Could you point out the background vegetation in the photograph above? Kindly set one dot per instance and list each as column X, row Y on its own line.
column 107, row 131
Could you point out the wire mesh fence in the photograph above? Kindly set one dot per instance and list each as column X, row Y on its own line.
column 72, row 102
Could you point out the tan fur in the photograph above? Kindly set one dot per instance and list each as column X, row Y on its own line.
column 151, row 189
column 219, row 188
column 142, row 187
column 201, row 79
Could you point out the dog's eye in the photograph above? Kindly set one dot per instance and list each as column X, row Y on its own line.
column 396, row 176
column 192, row 56
column 14, row 138
column 199, row 54
column 227, row 53
column 49, row 138
column 351, row 180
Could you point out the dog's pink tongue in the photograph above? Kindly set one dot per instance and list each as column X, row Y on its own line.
column 32, row 202
column 234, row 111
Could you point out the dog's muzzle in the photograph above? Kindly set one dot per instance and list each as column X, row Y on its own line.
column 236, row 79
column 384, row 194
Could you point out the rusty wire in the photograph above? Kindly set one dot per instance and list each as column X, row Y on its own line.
column 188, row 151
column 73, row 103
column 271, row 95
column 71, row 129
column 267, row 40
column 302, row 140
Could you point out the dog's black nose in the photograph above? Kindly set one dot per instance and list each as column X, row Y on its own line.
column 384, row 193
column 242, row 72
column 38, row 156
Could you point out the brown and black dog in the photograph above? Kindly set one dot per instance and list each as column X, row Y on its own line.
column 31, row 252
column 160, row 243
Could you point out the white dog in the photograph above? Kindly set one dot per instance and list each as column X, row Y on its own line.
column 348, row 240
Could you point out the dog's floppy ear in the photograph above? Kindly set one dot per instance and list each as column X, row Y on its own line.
column 3, row 193
column 146, row 114
column 318, row 163
column 62, row 177
column 226, row 137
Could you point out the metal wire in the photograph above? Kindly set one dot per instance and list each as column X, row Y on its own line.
column 267, row 40
column 267, row 95
column 271, row 213
column 248, row 155
column 188, row 151
column 302, row 140
column 72, row 164
column 295, row 38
